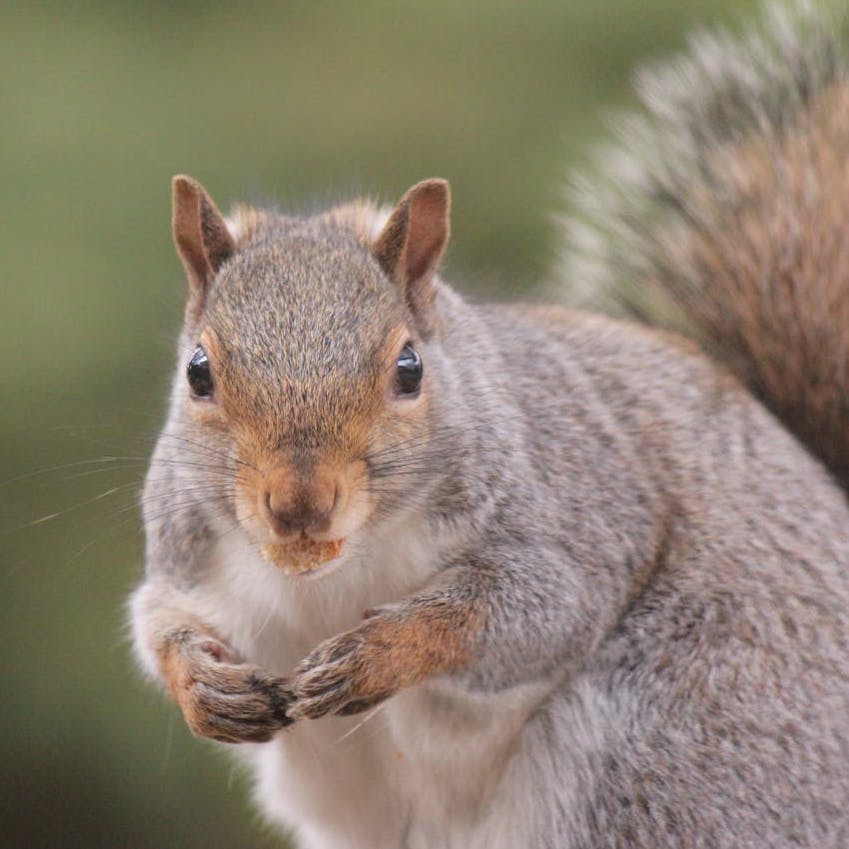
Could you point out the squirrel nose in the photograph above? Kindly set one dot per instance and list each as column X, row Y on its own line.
column 294, row 518
column 303, row 514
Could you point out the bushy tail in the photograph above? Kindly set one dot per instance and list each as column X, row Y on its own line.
column 723, row 213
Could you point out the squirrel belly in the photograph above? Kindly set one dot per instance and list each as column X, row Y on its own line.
column 592, row 583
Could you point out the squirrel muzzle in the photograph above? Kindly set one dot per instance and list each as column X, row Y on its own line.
column 301, row 516
column 292, row 506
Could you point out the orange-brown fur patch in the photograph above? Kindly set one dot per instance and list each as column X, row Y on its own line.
column 220, row 697
column 392, row 649
column 775, row 245
column 169, row 666
column 431, row 638
column 174, row 666
column 377, row 424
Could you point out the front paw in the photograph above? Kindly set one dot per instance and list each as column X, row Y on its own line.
column 344, row 675
column 221, row 698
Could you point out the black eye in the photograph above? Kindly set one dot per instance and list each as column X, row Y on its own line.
column 200, row 377
column 408, row 377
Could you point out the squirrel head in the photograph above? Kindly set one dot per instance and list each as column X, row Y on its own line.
column 305, row 365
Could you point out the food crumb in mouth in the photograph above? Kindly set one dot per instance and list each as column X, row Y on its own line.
column 302, row 554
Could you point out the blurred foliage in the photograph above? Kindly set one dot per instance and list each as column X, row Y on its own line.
column 296, row 102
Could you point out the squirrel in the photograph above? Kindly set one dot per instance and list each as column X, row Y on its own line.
column 500, row 576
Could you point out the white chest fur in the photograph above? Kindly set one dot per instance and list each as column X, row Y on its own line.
column 415, row 772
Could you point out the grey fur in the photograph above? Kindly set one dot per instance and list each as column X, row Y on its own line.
column 722, row 90
column 721, row 213
column 660, row 570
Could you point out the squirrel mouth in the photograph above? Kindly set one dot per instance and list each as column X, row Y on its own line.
column 301, row 554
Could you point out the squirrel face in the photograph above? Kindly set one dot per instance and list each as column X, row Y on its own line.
column 306, row 367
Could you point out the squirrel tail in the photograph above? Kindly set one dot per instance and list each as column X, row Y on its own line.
column 722, row 212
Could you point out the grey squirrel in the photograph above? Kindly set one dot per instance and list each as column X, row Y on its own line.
column 523, row 576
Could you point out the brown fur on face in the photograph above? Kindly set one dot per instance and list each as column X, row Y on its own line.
column 303, row 393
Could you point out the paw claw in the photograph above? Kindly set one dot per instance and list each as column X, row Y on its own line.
column 334, row 679
column 227, row 701
column 314, row 707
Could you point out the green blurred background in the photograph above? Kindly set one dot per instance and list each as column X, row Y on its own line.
column 299, row 103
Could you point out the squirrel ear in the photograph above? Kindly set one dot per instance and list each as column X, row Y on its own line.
column 413, row 241
column 200, row 233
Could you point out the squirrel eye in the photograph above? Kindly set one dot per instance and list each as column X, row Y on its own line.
column 199, row 374
column 409, row 370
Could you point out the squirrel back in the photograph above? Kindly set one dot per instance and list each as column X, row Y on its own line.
column 722, row 213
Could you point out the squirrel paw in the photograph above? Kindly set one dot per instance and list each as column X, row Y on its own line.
column 345, row 674
column 221, row 698
column 396, row 646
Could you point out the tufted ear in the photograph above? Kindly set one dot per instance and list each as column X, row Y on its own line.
column 413, row 241
column 200, row 234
